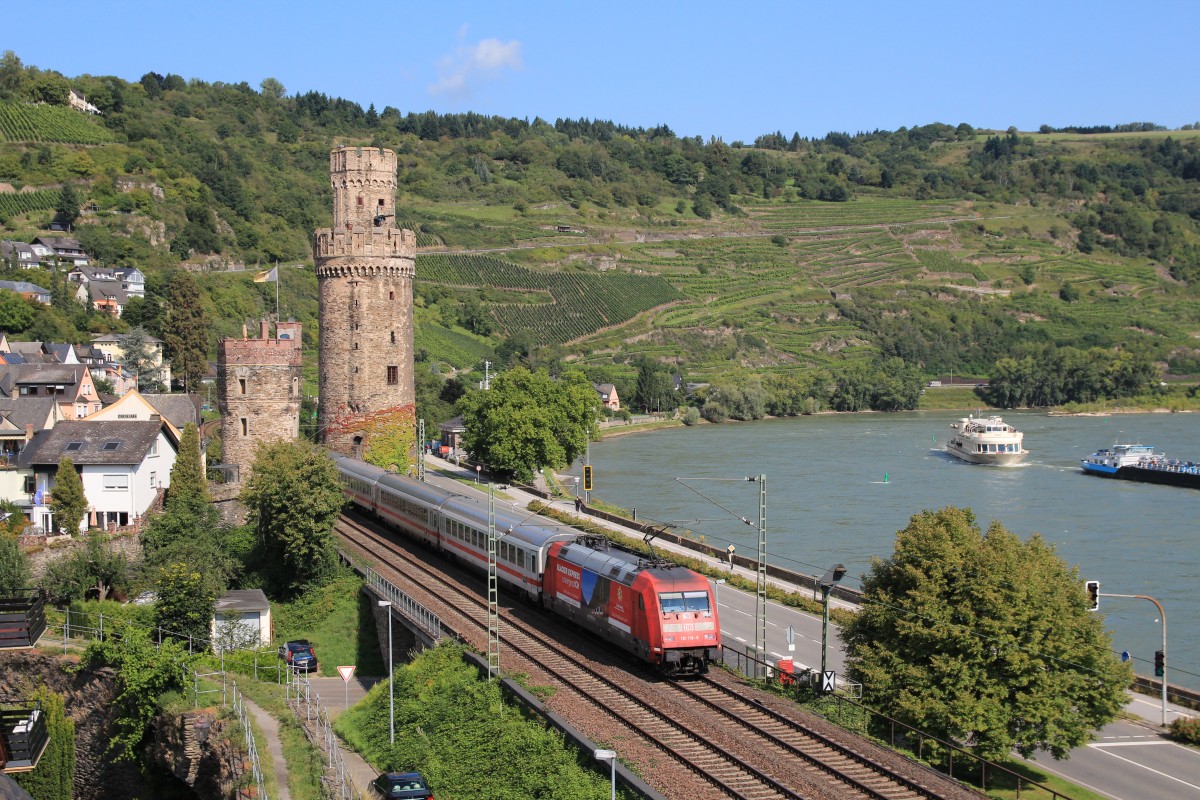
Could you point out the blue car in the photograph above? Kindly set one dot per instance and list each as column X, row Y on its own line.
column 299, row 655
column 406, row 785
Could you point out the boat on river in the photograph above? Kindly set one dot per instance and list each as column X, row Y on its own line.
column 1139, row 462
column 986, row 440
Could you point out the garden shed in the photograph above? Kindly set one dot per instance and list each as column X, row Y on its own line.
column 241, row 619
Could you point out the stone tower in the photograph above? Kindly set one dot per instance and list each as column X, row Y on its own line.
column 258, row 393
column 365, row 267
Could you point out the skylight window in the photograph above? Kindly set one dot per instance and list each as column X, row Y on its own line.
column 74, row 447
column 111, row 446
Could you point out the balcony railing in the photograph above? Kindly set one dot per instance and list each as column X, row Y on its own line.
column 23, row 735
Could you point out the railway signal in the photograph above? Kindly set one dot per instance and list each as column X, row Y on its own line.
column 587, row 477
column 1093, row 592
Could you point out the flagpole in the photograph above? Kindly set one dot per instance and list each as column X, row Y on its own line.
column 276, row 298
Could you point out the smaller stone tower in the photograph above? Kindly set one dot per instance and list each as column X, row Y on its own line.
column 258, row 392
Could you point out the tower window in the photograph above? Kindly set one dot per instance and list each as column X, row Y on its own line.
column 241, row 385
column 393, row 375
column 356, row 345
column 360, row 201
column 381, row 202
column 245, row 426
column 391, row 295
column 393, row 337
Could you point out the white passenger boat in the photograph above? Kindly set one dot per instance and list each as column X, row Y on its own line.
column 985, row 440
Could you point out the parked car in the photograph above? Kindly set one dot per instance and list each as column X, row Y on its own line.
column 299, row 655
column 406, row 785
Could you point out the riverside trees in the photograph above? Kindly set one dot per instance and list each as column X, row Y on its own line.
column 984, row 640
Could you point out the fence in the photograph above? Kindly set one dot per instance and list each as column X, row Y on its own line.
column 22, row 618
column 425, row 619
column 243, row 715
column 318, row 727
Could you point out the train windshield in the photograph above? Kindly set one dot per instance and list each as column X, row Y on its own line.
column 681, row 602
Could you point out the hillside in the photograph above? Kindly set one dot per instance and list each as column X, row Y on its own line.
column 792, row 259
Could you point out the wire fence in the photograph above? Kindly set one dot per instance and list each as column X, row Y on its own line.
column 318, row 727
column 242, row 711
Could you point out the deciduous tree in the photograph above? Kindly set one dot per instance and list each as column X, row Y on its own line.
column 983, row 640
column 185, row 601
column 14, row 567
column 293, row 496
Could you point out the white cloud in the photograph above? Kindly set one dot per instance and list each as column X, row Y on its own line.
column 473, row 63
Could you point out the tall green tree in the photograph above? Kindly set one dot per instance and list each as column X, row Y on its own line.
column 67, row 500
column 185, row 601
column 527, row 421
column 93, row 571
column 186, row 331
column 655, row 388
column 14, row 566
column 187, row 476
column 54, row 778
column 293, row 496
column 66, row 211
column 983, row 640
column 137, row 356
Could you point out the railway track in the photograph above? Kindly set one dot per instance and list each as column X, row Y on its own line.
column 761, row 755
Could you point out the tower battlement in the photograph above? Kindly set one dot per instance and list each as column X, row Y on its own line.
column 389, row 242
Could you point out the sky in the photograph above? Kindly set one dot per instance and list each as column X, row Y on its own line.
column 732, row 70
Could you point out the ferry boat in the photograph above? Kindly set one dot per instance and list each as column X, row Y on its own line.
column 1139, row 462
column 986, row 440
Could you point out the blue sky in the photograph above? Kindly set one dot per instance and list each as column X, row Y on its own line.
column 733, row 70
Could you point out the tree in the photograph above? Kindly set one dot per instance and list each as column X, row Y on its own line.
column 655, row 389
column 272, row 88
column 293, row 497
column 527, row 421
column 16, row 311
column 185, row 601
column 66, row 211
column 983, row 640
column 137, row 357
column 14, row 567
column 186, row 330
column 67, row 500
column 91, row 572
column 187, row 476
column 145, row 672
column 54, row 777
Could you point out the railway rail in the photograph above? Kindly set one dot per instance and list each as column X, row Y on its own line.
column 764, row 754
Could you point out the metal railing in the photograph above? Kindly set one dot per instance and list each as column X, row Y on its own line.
column 318, row 727
column 243, row 714
column 404, row 605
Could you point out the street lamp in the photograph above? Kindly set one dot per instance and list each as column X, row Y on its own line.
column 611, row 757
column 391, row 686
column 827, row 582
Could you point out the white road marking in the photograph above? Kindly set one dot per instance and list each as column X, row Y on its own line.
column 1104, row 749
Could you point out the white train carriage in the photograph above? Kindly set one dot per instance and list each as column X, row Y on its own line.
column 359, row 480
column 413, row 506
column 520, row 549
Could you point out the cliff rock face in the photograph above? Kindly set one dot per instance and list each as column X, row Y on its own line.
column 202, row 751
column 89, row 702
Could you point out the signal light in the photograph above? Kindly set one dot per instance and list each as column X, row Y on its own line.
column 1093, row 593
column 1160, row 664
column 587, row 477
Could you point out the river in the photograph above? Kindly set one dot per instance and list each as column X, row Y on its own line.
column 839, row 487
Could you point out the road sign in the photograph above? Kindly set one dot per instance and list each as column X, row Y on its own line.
column 1124, row 655
column 828, row 681
column 791, row 638
column 346, row 672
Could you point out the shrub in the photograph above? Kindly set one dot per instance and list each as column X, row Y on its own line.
column 1185, row 729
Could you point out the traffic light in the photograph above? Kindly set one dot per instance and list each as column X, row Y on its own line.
column 1160, row 664
column 1093, row 593
column 587, row 477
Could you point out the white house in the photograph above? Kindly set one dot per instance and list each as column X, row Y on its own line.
column 124, row 465
column 241, row 619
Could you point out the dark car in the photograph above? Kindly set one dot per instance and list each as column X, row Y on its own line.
column 406, row 785
column 299, row 655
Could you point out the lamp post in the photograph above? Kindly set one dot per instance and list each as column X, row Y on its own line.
column 391, row 686
column 827, row 582
column 611, row 757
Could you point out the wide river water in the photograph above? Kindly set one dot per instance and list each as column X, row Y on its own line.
column 840, row 486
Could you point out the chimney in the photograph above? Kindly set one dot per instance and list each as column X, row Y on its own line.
column 264, row 328
column 28, row 432
column 245, row 334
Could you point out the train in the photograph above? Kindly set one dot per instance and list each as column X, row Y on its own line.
column 662, row 613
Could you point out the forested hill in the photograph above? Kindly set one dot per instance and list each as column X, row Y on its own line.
column 941, row 246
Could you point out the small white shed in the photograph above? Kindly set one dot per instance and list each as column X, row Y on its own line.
column 241, row 619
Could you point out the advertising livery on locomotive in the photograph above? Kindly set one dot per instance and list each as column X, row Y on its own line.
column 662, row 613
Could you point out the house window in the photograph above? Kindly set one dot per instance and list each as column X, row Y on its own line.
column 30, row 486
column 153, row 480
column 116, row 483
column 87, row 389
column 241, row 385
column 154, row 448
column 245, row 426
column 393, row 375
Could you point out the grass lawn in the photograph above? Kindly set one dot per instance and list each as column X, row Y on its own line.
column 340, row 622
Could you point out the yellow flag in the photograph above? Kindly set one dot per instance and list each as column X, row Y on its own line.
column 268, row 276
